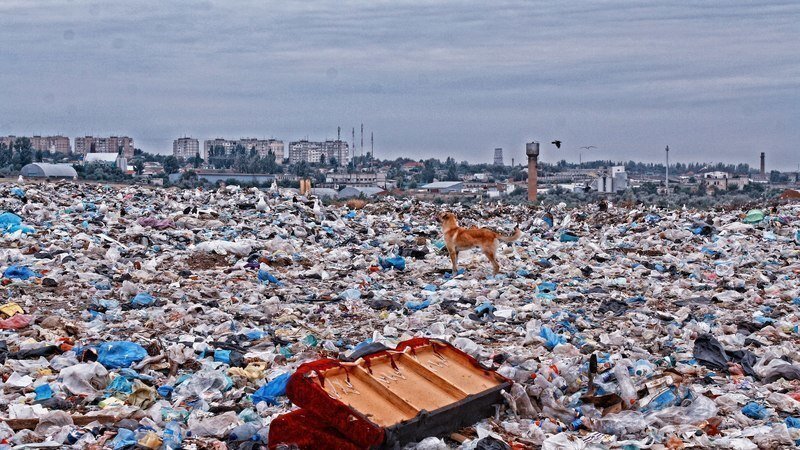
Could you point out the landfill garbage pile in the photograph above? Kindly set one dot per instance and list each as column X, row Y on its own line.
column 165, row 318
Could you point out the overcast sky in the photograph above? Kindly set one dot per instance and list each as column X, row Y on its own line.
column 715, row 82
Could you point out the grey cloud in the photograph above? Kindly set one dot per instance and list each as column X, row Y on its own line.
column 716, row 82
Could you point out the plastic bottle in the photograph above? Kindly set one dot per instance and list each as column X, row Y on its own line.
column 663, row 400
column 553, row 409
column 643, row 368
column 626, row 388
column 173, row 435
column 243, row 432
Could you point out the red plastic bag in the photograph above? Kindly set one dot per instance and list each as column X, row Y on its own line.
column 16, row 322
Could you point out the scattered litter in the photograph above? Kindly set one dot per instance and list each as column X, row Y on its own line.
column 135, row 316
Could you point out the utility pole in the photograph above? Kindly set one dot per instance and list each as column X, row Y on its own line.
column 667, row 177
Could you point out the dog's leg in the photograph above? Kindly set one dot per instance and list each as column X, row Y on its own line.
column 490, row 251
column 454, row 260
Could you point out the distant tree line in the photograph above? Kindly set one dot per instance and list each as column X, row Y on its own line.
column 651, row 168
column 100, row 171
column 243, row 160
column 21, row 153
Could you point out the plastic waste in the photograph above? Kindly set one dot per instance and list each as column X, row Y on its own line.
column 754, row 216
column 626, row 388
column 271, row 391
column 119, row 354
column 19, row 273
column 123, row 439
column 142, row 300
column 393, row 262
column 243, row 432
column 754, row 410
column 16, row 322
column 691, row 309
column 173, row 435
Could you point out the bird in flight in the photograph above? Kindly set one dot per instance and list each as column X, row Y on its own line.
column 589, row 146
column 557, row 143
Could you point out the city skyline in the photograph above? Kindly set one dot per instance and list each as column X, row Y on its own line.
column 626, row 78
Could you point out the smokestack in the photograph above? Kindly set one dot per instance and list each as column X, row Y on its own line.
column 763, row 165
column 532, row 150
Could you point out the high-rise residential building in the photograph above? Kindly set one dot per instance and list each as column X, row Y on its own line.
column 112, row 144
column 52, row 144
column 185, row 148
column 262, row 146
column 304, row 150
column 498, row 157
column 316, row 152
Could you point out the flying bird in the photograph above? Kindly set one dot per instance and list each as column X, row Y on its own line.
column 589, row 146
column 557, row 144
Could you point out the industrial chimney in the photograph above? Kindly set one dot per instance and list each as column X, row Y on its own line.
column 498, row 157
column 532, row 150
column 763, row 166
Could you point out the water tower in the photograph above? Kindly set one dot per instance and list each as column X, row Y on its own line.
column 532, row 150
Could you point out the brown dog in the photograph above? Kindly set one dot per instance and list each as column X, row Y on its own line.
column 457, row 239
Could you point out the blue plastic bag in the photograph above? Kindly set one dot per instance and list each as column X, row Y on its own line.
column 264, row 276
column 652, row 218
column 350, row 294
column 551, row 339
column 485, row 307
column 223, row 356
column 449, row 275
column 11, row 223
column 119, row 385
column 165, row 390
column 124, row 438
column 416, row 306
column 18, row 192
column 142, row 299
column 271, row 391
column 394, row 262
column 754, row 410
column 792, row 422
column 547, row 287
column 568, row 236
column 19, row 273
column 43, row 392
column 119, row 354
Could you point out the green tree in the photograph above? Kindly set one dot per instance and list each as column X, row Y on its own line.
column 23, row 153
column 270, row 164
column 171, row 165
column 189, row 176
column 301, row 169
column 138, row 167
column 6, row 153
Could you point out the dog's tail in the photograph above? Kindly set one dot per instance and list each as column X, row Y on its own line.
column 517, row 234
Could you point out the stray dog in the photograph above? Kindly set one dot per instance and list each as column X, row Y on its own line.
column 457, row 239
